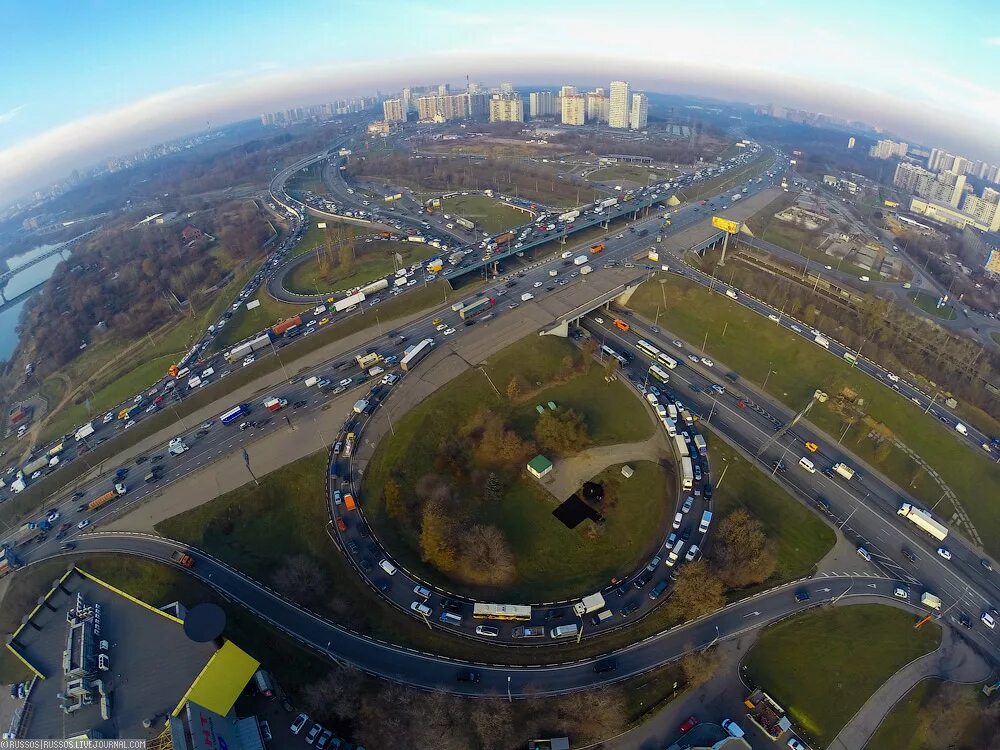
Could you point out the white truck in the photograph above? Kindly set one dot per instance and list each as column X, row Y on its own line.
column 687, row 473
column 86, row 431
column 177, row 446
column 736, row 197
column 589, row 604
column 930, row 601
column 822, row 340
column 579, row 260
column 923, row 520
column 360, row 405
column 586, row 269
column 844, row 470
column 706, row 519
column 700, row 444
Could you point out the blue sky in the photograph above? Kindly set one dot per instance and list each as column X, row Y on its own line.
column 91, row 78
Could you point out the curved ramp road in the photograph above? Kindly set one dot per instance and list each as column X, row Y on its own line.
column 421, row 669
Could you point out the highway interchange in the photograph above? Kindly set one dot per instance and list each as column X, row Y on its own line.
column 864, row 509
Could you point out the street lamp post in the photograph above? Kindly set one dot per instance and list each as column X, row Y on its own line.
column 769, row 372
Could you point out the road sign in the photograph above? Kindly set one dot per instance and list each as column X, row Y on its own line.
column 730, row 227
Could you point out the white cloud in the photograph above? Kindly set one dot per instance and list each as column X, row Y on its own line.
column 10, row 114
column 993, row 40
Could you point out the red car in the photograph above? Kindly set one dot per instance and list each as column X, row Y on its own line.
column 342, row 524
column 158, row 400
column 690, row 723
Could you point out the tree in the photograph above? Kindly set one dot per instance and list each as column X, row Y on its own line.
column 347, row 254
column 486, row 557
column 300, row 579
column 698, row 667
column 611, row 366
column 437, row 536
column 697, row 592
column 740, row 551
column 337, row 695
column 589, row 347
column 515, row 388
column 393, row 498
column 494, row 488
column 563, row 431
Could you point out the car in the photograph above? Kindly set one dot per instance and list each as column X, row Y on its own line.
column 323, row 739
column 688, row 504
column 718, row 388
column 865, row 554
column 53, row 516
column 422, row 591
column 688, row 724
column 802, row 595
column 345, row 382
column 448, row 331
column 692, row 552
column 629, row 609
column 83, row 524
column 468, row 675
column 537, row 284
column 249, row 360
column 707, row 362
column 298, row 723
column 489, row 631
column 338, row 446
column 900, row 593
column 811, row 446
column 314, row 731
column 265, row 730
column 130, row 423
column 989, row 618
column 440, row 326
column 678, row 344
column 965, row 620
column 986, row 564
column 796, row 744
column 341, row 524
column 421, row 609
column 944, row 552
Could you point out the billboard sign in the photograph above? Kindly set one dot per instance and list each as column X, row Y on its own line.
column 731, row 227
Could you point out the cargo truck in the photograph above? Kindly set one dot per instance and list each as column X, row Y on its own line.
column 569, row 216
column 86, row 431
column 844, row 470
column 465, row 223
column 930, row 601
column 822, row 341
column 360, row 405
column 687, row 473
column 589, row 604
column 608, row 203
column 177, row 446
column 586, row 269
column 595, row 249
column 736, row 197
column 284, row 325
column 368, row 359
column 923, row 520
column 348, row 445
column 106, row 498
column 415, row 354
column 275, row 404
column 579, row 260
column 474, row 308
column 505, row 237
column 182, row 559
column 706, row 519
column 350, row 301
column 375, row 286
column 249, row 347
column 700, row 444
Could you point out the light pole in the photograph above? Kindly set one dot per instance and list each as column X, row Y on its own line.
column 723, row 474
column 509, row 696
column 769, row 372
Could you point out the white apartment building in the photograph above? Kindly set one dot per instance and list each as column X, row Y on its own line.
column 540, row 104
column 393, row 110
column 506, row 108
column 640, row 111
column 574, row 109
column 618, row 108
column 598, row 106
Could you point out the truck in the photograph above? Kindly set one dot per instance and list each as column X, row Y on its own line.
column 465, row 223
column 475, row 308
column 368, row 359
column 700, row 444
column 275, row 404
column 435, row 266
column 923, row 520
column 528, row 631
column 177, row 446
column 682, row 449
column 687, row 473
column 249, row 347
column 416, row 353
column 182, row 558
column 568, row 216
column 505, row 237
column 349, row 301
column 844, row 470
column 35, row 464
column 106, row 498
column 608, row 203
column 736, row 197
column 349, row 503
column 589, row 604
column 595, row 249
column 375, row 286
column 130, row 411
column 706, row 519
column 822, row 340
column 8, row 561
column 579, row 260
column 930, row 601
column 586, row 269
column 85, row 432
column 416, row 238
column 360, row 405
column 348, row 445
column 284, row 325
column 400, row 281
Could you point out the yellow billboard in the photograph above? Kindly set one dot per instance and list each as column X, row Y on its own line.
column 725, row 225
column 890, row 204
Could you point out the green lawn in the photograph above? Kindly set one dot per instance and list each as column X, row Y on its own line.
column 804, row 244
column 928, row 303
column 823, row 665
column 373, row 261
column 551, row 560
column 995, row 335
column 247, row 322
column 629, row 172
column 800, row 367
column 488, row 214
column 799, row 536
column 915, row 722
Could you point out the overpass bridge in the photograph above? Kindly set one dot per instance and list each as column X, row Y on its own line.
column 619, row 293
column 8, row 275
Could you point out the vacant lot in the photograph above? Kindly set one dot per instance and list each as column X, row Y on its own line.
column 549, row 559
column 488, row 214
column 373, row 260
column 798, row 367
column 823, row 665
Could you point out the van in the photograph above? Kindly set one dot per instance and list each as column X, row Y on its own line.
column 564, row 631
column 262, row 680
column 448, row 618
column 658, row 589
column 731, row 293
column 311, row 381
column 387, row 566
column 604, row 614
column 732, row 728
column 675, row 553
column 808, row 465
column 672, row 412
column 961, row 429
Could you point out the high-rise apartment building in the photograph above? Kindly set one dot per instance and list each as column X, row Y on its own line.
column 540, row 104
column 443, row 108
column 567, row 90
column 621, row 101
column 407, row 98
column 886, row 149
column 479, row 105
column 444, row 89
column 598, row 106
column 393, row 110
column 474, row 88
column 507, row 87
column 574, row 109
column 943, row 187
column 640, row 111
column 506, row 108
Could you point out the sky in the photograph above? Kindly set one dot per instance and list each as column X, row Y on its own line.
column 89, row 79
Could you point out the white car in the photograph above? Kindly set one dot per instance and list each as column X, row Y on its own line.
column 599, row 320
column 345, row 382
column 795, row 744
column 130, row 423
column 989, row 620
column 448, row 331
column 300, row 721
column 693, row 358
column 108, row 417
column 52, row 517
column 537, row 284
column 797, row 330
column 440, row 326
column 707, row 362
column 421, row 609
column 773, row 317
column 248, row 360
column 692, row 553
column 900, row 593
column 944, row 552
column 865, row 554
column 83, row 524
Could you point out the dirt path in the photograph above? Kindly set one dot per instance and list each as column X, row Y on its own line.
column 569, row 474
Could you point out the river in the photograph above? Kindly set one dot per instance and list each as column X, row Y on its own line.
column 21, row 282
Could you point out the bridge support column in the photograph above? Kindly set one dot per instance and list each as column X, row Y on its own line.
column 561, row 329
column 623, row 298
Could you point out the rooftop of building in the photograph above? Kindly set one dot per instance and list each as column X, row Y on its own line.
column 151, row 664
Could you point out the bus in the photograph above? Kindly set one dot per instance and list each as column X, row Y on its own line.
column 235, row 413
column 670, row 362
column 646, row 348
column 659, row 373
column 613, row 354
column 501, row 611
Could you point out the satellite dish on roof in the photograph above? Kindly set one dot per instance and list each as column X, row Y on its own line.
column 204, row 622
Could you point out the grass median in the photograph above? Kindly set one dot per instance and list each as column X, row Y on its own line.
column 488, row 214
column 374, row 259
column 743, row 341
column 823, row 665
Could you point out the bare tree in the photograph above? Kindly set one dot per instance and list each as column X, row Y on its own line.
column 300, row 579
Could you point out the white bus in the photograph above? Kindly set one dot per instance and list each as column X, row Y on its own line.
column 659, row 373
column 615, row 355
column 647, row 348
column 501, row 611
column 670, row 362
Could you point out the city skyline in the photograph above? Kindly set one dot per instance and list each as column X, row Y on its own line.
column 143, row 83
